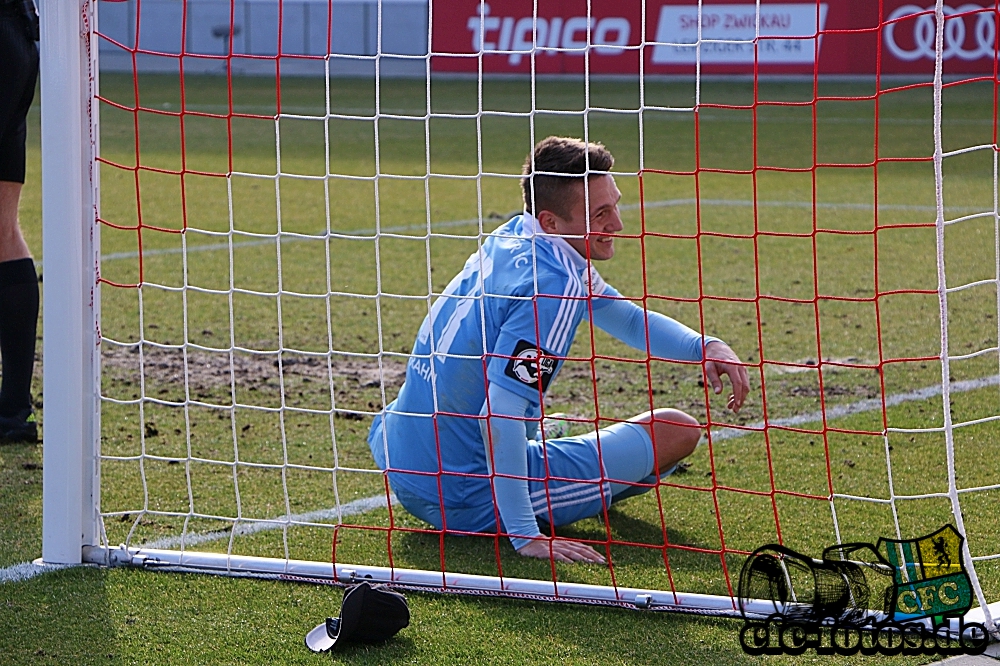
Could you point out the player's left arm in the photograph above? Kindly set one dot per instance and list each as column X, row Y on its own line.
column 668, row 338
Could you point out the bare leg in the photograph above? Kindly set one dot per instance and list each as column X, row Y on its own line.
column 12, row 245
column 675, row 435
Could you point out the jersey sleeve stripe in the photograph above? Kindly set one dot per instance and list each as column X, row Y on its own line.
column 567, row 310
column 566, row 330
column 566, row 290
column 559, row 316
column 567, row 325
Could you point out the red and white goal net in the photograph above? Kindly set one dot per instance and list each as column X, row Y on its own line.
column 286, row 187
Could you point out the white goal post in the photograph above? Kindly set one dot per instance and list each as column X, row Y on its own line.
column 71, row 337
column 73, row 523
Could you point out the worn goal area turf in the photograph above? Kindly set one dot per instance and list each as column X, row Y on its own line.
column 141, row 617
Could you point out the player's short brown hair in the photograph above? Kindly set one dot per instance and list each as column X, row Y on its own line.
column 558, row 154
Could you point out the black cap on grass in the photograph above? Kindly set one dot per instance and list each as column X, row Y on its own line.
column 369, row 614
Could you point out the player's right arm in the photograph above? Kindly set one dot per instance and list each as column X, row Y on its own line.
column 506, row 451
column 671, row 339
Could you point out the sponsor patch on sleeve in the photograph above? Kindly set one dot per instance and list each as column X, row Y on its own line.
column 597, row 284
column 529, row 365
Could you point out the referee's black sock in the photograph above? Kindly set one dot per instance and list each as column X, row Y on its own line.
column 18, row 322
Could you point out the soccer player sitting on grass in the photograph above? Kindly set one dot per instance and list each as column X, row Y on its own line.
column 461, row 440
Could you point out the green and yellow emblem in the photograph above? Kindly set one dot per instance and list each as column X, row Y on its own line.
column 930, row 579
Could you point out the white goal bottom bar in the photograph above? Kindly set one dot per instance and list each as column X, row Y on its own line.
column 436, row 581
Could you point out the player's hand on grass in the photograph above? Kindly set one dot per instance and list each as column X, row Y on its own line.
column 561, row 550
column 720, row 360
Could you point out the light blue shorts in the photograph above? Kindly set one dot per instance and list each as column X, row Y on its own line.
column 565, row 479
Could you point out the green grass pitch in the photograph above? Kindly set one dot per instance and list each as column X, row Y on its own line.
column 114, row 616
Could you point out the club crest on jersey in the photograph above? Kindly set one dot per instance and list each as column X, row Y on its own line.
column 527, row 368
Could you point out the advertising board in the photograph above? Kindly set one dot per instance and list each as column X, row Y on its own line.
column 672, row 37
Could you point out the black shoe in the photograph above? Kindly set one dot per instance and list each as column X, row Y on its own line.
column 20, row 428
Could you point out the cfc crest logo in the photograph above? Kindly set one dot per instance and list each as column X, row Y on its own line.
column 929, row 579
column 526, row 367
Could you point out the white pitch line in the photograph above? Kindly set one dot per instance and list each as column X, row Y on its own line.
column 270, row 241
column 26, row 570
column 670, row 114
column 874, row 404
column 363, row 505
column 210, row 247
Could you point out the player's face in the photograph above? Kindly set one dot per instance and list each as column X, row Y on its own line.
column 605, row 220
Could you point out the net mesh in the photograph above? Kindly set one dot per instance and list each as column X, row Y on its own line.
column 273, row 233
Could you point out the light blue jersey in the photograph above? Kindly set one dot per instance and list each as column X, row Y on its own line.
column 508, row 318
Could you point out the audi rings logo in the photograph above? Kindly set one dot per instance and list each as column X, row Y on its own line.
column 969, row 33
